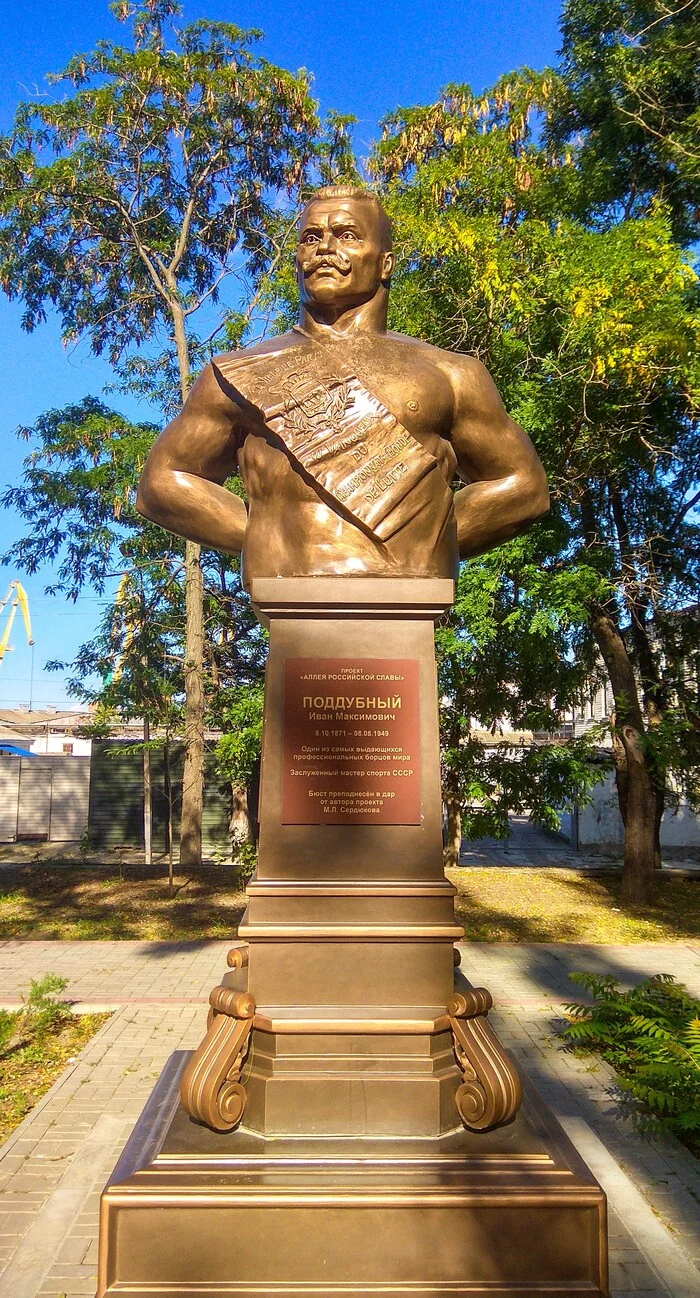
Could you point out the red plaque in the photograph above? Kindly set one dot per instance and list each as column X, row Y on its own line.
column 350, row 749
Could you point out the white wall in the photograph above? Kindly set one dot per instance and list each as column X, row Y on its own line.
column 601, row 823
column 54, row 744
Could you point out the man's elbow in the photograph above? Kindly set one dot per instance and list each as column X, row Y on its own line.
column 150, row 496
column 535, row 497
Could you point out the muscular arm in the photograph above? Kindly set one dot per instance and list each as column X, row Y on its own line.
column 507, row 487
column 180, row 486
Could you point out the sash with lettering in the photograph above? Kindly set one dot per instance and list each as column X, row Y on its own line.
column 337, row 431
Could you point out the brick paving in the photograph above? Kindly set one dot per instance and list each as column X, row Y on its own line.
column 53, row 1167
column 530, row 846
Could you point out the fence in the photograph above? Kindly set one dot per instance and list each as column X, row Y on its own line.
column 44, row 798
column 116, row 798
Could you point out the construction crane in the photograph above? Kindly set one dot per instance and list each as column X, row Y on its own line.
column 20, row 601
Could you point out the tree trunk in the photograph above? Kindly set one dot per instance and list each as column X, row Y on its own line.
column 193, row 774
column 169, row 801
column 635, row 786
column 453, row 807
column 634, row 778
column 653, row 692
column 239, row 824
column 660, row 808
column 621, row 775
column 147, row 797
column 638, row 867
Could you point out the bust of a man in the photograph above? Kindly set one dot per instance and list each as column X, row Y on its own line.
column 347, row 437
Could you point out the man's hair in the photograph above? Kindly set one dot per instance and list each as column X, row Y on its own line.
column 359, row 194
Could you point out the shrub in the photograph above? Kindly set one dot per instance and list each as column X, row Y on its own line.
column 41, row 1006
column 651, row 1036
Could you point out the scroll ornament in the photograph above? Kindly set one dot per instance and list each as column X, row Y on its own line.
column 491, row 1093
column 211, row 1089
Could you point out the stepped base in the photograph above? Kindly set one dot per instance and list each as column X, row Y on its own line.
column 189, row 1213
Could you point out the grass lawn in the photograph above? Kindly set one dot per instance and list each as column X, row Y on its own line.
column 32, row 1058
column 42, row 900
column 549, row 905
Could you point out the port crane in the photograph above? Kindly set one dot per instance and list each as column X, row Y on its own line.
column 19, row 601
column 17, row 598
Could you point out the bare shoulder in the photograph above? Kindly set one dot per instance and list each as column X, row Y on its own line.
column 474, row 389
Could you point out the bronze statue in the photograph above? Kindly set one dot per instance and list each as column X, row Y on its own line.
column 339, row 1124
column 347, row 436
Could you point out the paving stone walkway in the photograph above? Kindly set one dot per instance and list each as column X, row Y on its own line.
column 53, row 1167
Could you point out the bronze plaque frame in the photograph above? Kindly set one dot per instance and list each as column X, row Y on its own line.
column 351, row 741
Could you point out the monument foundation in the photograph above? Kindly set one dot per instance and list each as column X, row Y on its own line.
column 350, row 1123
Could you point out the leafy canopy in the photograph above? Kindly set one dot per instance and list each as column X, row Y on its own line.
column 135, row 196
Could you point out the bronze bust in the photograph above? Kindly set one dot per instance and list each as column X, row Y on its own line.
column 347, row 436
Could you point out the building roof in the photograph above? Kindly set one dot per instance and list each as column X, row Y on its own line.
column 20, row 723
column 38, row 718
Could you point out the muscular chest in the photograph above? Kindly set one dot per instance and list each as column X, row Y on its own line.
column 411, row 387
column 408, row 384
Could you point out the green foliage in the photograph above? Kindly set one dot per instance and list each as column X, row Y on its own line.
column 651, row 1037
column 164, row 178
column 591, row 333
column 7, row 1027
column 43, row 1012
column 238, row 749
column 628, row 99
column 543, row 779
column 130, row 199
column 77, row 497
column 511, row 657
column 246, row 858
column 42, row 1008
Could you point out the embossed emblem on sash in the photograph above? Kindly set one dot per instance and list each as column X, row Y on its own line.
column 338, row 431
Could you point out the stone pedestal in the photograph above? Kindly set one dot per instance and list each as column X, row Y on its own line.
column 340, row 1044
column 351, row 926
column 194, row 1214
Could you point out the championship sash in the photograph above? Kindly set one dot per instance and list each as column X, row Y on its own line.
column 337, row 431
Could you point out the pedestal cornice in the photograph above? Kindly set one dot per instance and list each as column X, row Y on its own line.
column 422, row 598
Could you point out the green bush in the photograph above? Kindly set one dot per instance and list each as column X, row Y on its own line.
column 41, row 1007
column 651, row 1036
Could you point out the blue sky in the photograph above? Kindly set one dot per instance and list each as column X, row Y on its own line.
column 366, row 59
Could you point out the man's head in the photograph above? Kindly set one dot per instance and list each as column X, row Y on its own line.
column 344, row 252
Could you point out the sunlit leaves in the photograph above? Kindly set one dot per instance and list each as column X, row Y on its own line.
column 138, row 194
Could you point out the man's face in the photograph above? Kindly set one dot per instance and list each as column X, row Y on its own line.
column 340, row 259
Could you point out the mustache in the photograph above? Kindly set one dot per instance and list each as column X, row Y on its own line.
column 337, row 262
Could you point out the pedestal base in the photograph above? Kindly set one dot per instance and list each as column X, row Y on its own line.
column 190, row 1213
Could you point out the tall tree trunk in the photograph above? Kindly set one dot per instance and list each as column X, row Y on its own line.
column 240, row 829
column 638, row 804
column 193, row 774
column 653, row 692
column 634, row 779
column 147, row 796
column 453, row 807
column 169, row 801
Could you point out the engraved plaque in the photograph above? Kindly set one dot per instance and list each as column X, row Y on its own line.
column 351, row 742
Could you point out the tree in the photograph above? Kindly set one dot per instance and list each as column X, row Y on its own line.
column 140, row 677
column 77, row 500
column 128, row 203
column 592, row 336
column 238, row 760
column 628, row 101
column 512, row 656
